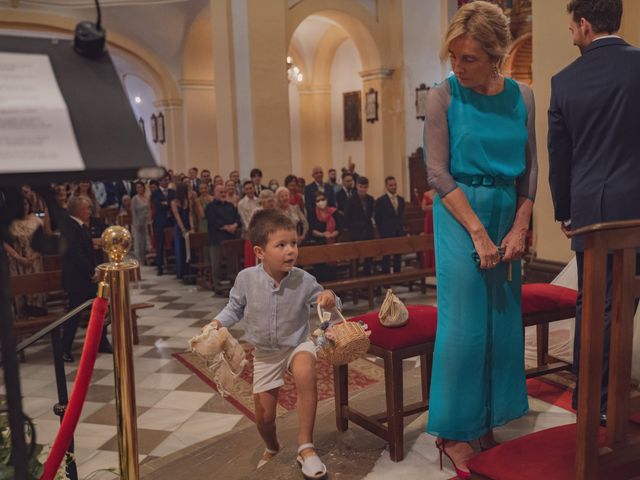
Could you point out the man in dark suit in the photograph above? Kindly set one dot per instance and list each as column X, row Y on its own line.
column 79, row 275
column 389, row 216
column 161, row 204
column 594, row 146
column 345, row 193
column 358, row 217
column 317, row 185
column 256, row 178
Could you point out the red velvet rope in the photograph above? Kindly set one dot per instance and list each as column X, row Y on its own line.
column 80, row 388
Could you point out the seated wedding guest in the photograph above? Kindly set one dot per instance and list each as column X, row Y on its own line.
column 79, row 276
column 24, row 260
column 389, row 217
column 333, row 180
column 192, row 178
column 235, row 176
column 140, row 219
column 85, row 188
column 256, row 178
column 295, row 197
column 358, row 217
column 299, row 219
column 273, row 185
column 200, row 204
column 324, row 231
column 266, row 201
column 124, row 215
column 162, row 218
column 345, row 193
column 223, row 223
column 183, row 214
column 218, row 180
column 232, row 196
column 247, row 204
column 205, row 177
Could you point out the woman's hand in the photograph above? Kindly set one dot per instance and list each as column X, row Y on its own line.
column 513, row 244
column 486, row 249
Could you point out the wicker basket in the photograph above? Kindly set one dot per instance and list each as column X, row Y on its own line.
column 351, row 342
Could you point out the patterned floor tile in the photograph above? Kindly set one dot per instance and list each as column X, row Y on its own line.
column 176, row 306
column 148, row 440
column 197, row 314
column 106, row 415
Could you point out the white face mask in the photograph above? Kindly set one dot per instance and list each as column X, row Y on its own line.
column 273, row 186
column 321, row 204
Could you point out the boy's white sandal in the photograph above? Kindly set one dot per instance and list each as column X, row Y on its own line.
column 269, row 454
column 312, row 466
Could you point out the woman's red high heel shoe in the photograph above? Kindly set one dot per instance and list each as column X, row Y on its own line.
column 460, row 473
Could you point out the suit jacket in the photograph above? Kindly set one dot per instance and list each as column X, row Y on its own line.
column 341, row 199
column 78, row 260
column 162, row 208
column 389, row 222
column 358, row 220
column 594, row 145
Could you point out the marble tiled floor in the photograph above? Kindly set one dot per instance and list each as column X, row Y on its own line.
column 175, row 408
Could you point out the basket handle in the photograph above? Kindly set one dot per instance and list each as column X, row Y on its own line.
column 319, row 309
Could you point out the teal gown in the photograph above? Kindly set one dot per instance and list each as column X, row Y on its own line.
column 478, row 379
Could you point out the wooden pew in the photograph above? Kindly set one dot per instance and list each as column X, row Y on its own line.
column 354, row 252
column 199, row 243
column 32, row 284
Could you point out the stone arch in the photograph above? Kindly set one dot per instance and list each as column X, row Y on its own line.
column 198, row 51
column 352, row 17
column 152, row 69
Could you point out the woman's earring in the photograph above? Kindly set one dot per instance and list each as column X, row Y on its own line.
column 496, row 73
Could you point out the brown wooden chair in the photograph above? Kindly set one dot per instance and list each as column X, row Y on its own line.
column 393, row 345
column 585, row 451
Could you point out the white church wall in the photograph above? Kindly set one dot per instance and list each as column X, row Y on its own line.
column 345, row 77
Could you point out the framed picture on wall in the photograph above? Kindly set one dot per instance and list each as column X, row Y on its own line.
column 352, row 108
column 371, row 105
column 422, row 92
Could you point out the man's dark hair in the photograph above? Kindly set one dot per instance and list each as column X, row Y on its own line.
column 265, row 223
column 255, row 172
column 390, row 177
column 331, row 170
column 205, row 170
column 346, row 174
column 603, row 15
column 362, row 180
column 246, row 182
column 154, row 182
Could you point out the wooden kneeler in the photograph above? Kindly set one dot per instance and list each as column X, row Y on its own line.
column 585, row 451
column 393, row 345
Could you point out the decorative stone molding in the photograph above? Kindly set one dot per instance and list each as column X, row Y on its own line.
column 314, row 89
column 377, row 74
column 197, row 84
column 168, row 103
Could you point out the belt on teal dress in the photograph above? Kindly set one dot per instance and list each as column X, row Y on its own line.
column 485, row 181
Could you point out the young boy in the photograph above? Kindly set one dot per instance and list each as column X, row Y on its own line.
column 274, row 299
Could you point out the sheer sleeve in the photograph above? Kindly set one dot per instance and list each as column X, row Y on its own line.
column 528, row 182
column 436, row 140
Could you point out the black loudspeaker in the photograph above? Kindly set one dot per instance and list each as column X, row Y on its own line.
column 90, row 38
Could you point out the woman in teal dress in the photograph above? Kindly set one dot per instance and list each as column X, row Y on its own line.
column 480, row 149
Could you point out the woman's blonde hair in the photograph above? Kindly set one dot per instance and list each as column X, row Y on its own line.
column 484, row 22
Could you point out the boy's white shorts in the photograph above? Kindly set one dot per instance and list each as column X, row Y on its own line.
column 269, row 367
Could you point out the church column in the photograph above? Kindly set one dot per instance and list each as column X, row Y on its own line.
column 173, row 151
column 251, row 86
column 384, row 139
column 315, row 125
column 225, row 85
column 269, row 86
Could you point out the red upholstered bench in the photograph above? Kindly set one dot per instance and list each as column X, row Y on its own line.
column 416, row 338
column 543, row 303
column 548, row 454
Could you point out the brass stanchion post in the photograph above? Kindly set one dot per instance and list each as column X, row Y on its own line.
column 116, row 242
